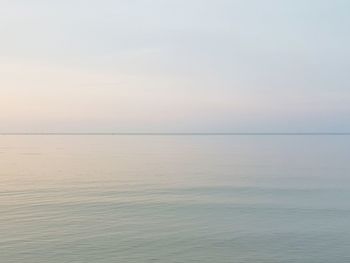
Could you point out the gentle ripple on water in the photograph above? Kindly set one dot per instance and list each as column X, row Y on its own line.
column 174, row 199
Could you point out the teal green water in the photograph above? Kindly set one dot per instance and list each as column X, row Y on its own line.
column 66, row 199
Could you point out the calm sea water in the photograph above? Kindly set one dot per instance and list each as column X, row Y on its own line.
column 66, row 199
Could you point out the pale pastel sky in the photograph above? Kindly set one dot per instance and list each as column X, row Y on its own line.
column 174, row 65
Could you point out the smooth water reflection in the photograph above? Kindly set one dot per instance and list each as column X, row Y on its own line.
column 174, row 199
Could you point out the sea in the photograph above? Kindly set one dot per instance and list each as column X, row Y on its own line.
column 174, row 198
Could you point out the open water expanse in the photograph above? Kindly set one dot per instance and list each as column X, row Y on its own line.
column 174, row 199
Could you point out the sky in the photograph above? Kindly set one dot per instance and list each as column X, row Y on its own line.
column 174, row 66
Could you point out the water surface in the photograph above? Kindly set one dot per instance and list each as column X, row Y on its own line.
column 174, row 199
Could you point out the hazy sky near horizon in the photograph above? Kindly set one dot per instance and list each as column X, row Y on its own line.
column 175, row 65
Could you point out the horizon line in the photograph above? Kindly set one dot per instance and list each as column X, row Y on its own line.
column 175, row 133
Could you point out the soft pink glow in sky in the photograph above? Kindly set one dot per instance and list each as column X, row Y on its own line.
column 175, row 66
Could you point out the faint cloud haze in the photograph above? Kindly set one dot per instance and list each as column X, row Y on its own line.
column 181, row 66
